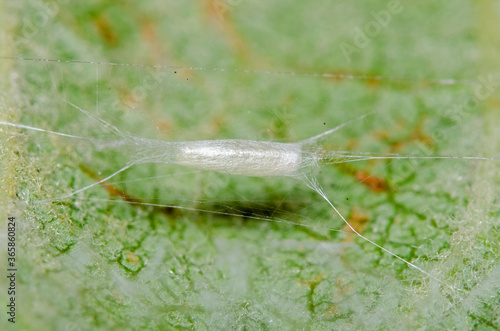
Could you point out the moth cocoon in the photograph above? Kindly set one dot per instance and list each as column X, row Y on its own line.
column 241, row 157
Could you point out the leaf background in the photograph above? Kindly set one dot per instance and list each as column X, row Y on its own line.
column 88, row 264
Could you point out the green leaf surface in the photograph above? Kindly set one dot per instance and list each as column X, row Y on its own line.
column 164, row 247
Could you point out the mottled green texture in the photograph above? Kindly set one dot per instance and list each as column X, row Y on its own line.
column 105, row 265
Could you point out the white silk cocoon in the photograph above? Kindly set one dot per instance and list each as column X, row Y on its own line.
column 241, row 157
